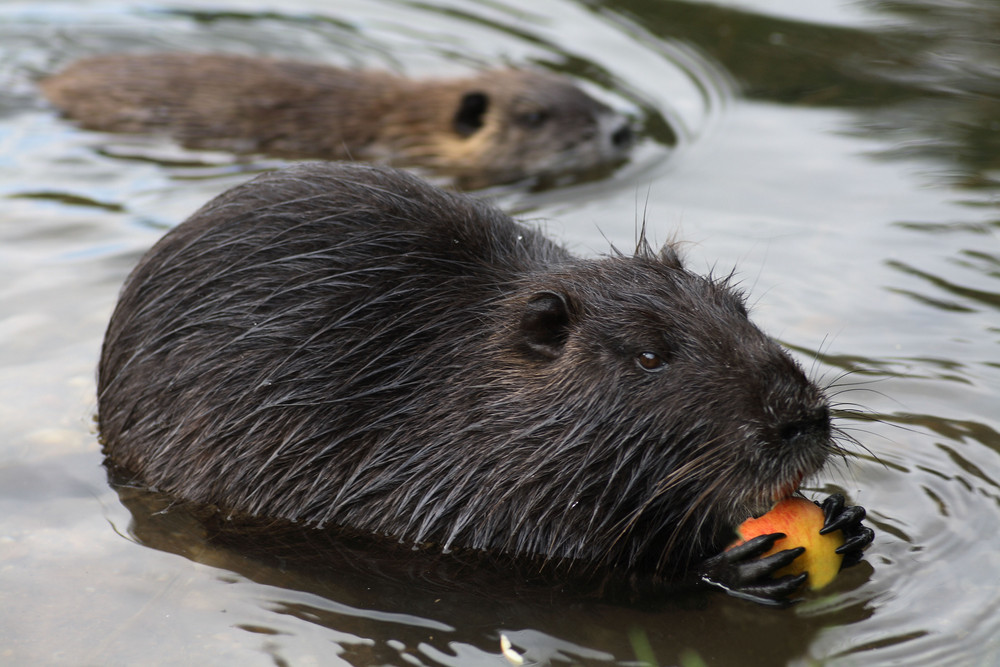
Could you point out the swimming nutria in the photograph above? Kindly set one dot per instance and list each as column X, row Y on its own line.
column 495, row 127
column 345, row 345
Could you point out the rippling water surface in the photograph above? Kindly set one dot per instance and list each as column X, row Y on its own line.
column 844, row 157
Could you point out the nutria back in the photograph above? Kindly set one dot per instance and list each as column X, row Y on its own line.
column 345, row 346
column 494, row 127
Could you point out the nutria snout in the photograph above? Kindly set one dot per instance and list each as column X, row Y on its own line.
column 346, row 346
column 495, row 127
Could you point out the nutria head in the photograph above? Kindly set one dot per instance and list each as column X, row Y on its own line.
column 508, row 125
column 667, row 417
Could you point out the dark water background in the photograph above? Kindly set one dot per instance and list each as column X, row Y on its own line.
column 844, row 157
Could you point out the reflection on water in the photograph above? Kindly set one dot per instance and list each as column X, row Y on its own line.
column 928, row 79
column 845, row 163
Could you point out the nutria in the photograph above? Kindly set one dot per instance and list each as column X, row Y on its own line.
column 347, row 346
column 495, row 127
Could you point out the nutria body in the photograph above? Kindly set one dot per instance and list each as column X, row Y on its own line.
column 346, row 346
column 494, row 127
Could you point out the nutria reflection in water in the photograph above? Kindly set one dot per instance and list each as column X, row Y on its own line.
column 346, row 346
column 495, row 127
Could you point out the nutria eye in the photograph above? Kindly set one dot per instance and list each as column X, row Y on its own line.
column 650, row 361
column 532, row 118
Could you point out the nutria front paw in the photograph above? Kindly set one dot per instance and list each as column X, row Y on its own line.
column 848, row 520
column 742, row 573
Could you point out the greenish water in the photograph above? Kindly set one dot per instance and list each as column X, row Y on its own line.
column 844, row 157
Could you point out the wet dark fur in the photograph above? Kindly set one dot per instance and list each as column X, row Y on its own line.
column 341, row 345
column 494, row 127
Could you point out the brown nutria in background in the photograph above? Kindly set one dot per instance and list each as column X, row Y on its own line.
column 495, row 127
column 341, row 345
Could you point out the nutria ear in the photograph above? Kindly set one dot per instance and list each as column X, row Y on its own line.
column 471, row 111
column 545, row 324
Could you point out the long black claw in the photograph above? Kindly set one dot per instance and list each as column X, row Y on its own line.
column 775, row 562
column 752, row 548
column 744, row 572
column 784, row 586
column 762, row 568
column 838, row 516
column 773, row 593
column 857, row 542
column 850, row 516
column 832, row 507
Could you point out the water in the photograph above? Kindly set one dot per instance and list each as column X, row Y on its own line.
column 844, row 157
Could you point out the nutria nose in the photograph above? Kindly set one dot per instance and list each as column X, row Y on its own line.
column 812, row 425
column 623, row 136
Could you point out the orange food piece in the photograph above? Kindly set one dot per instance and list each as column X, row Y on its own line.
column 800, row 520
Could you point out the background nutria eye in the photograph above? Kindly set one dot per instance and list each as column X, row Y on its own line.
column 650, row 361
column 532, row 118
column 471, row 113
